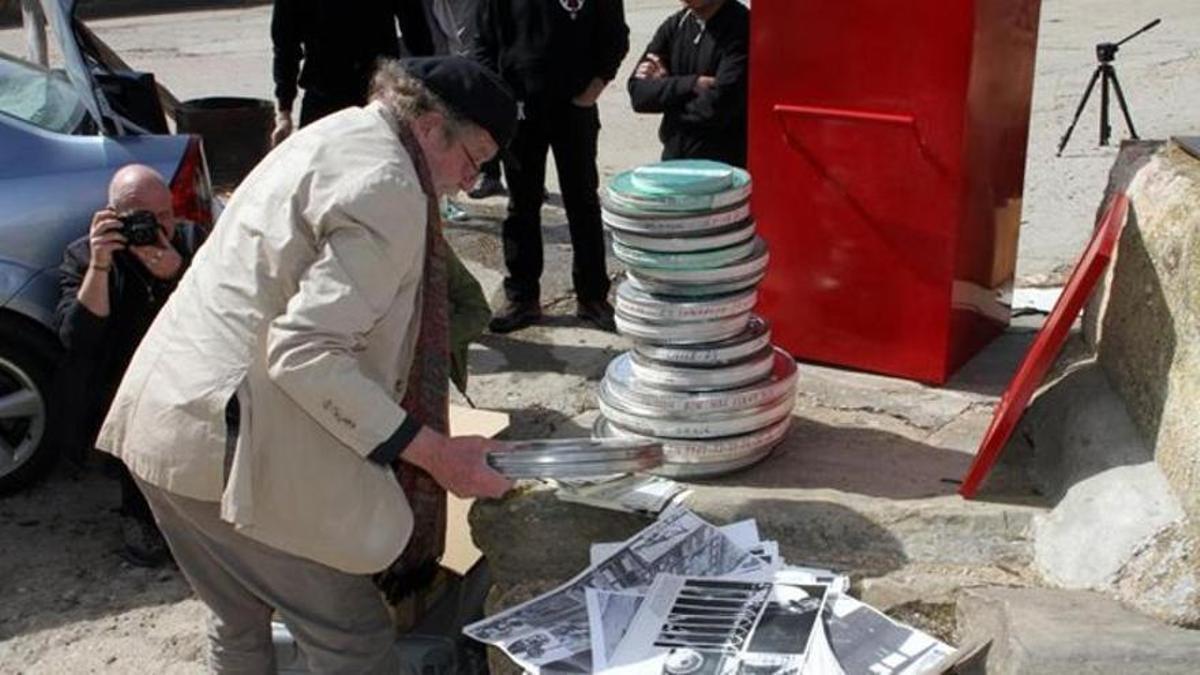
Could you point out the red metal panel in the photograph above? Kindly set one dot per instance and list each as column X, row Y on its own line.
column 871, row 130
column 1048, row 343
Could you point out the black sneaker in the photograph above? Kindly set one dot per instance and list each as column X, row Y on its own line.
column 514, row 316
column 144, row 544
column 486, row 186
column 598, row 313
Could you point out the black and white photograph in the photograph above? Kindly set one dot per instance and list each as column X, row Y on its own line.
column 866, row 642
column 722, row 625
column 787, row 622
column 743, row 533
column 609, row 615
column 559, row 620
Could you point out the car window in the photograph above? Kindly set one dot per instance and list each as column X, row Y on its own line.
column 39, row 96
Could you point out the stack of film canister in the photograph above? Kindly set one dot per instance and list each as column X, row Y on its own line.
column 703, row 377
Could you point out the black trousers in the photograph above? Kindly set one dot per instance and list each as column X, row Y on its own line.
column 318, row 104
column 133, row 502
column 571, row 133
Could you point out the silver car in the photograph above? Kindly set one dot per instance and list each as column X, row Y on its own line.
column 63, row 132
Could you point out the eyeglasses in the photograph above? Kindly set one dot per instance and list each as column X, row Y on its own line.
column 476, row 167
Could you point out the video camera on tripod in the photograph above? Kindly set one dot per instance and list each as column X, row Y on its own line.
column 1106, row 52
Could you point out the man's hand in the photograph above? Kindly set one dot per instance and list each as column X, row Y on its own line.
column 651, row 68
column 161, row 259
column 458, row 464
column 283, row 127
column 588, row 98
column 703, row 84
column 104, row 238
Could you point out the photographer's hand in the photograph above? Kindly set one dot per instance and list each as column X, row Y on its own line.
column 103, row 239
column 161, row 259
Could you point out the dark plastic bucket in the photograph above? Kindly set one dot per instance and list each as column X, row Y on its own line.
column 236, row 133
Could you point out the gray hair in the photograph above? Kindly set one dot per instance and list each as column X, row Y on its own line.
column 407, row 98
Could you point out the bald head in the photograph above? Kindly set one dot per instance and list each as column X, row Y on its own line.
column 137, row 187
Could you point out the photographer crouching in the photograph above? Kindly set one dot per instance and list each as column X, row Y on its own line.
column 113, row 281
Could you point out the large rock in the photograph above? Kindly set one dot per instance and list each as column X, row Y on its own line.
column 1055, row 632
column 534, row 536
column 1148, row 317
column 1116, row 525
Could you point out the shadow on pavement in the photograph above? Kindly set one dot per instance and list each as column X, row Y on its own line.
column 855, row 460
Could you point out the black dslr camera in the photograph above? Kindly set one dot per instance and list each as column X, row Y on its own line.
column 140, row 228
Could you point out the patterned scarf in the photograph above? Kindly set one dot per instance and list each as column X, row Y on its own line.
column 426, row 399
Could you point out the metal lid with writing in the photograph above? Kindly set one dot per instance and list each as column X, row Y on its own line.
column 691, row 290
column 756, row 336
column 755, row 263
column 695, row 458
column 711, row 425
column 576, row 457
column 689, row 260
column 703, row 378
column 636, row 303
column 659, row 332
column 735, row 234
column 620, row 385
column 677, row 224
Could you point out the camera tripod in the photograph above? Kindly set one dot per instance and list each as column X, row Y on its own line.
column 1106, row 52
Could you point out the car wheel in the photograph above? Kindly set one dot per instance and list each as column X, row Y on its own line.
column 26, row 374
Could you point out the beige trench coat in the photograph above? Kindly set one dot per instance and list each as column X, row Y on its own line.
column 303, row 302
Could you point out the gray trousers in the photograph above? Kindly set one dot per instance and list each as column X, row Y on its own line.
column 338, row 619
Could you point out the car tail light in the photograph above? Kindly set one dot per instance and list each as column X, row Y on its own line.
column 191, row 189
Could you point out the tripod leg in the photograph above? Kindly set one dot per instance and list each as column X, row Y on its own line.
column 1124, row 107
column 1105, row 127
column 1079, row 110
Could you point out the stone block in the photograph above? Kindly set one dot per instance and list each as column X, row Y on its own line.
column 534, row 536
column 1056, row 632
column 1116, row 526
column 1147, row 320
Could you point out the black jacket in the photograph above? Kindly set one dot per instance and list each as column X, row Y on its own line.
column 549, row 50
column 339, row 43
column 98, row 349
column 711, row 125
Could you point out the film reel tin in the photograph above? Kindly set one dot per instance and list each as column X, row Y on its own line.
column 696, row 458
column 576, row 458
column 751, row 340
column 624, row 194
column 753, row 264
column 736, row 234
column 697, row 379
column 691, row 260
column 690, row 290
column 702, row 223
column 683, row 176
column 675, row 333
column 638, row 304
column 620, row 386
column 712, row 425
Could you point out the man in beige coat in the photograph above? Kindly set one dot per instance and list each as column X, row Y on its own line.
column 261, row 414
